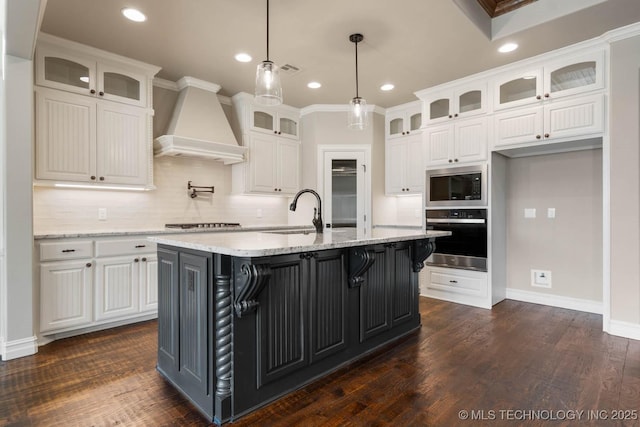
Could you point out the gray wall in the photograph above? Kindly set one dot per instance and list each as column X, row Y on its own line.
column 570, row 246
column 625, row 180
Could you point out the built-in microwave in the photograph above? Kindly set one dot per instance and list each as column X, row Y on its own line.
column 457, row 186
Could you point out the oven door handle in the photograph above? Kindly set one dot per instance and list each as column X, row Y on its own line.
column 456, row 220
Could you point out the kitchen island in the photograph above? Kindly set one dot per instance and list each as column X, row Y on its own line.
column 244, row 318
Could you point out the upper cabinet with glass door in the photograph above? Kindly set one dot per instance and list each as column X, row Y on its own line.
column 282, row 121
column 59, row 66
column 563, row 77
column 457, row 102
column 403, row 120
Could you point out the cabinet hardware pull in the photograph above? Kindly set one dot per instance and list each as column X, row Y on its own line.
column 141, row 246
column 408, row 132
column 101, row 93
column 93, row 177
column 538, row 137
column 88, row 264
column 450, row 116
column 450, row 161
column 68, row 250
column 546, row 95
column 455, row 115
column 136, row 260
column 455, row 160
column 453, row 281
column 102, row 178
column 92, row 91
column 546, row 135
column 538, row 97
column 144, row 259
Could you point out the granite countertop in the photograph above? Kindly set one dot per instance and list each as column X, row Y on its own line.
column 254, row 243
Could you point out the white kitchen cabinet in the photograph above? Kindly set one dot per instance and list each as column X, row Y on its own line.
column 273, row 159
column 403, row 120
column 404, row 165
column 563, row 77
column 457, row 285
column 80, row 139
column 88, row 283
column 556, row 120
column 457, row 142
column 457, row 102
column 71, row 67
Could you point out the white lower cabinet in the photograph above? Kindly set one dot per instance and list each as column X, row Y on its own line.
column 112, row 280
column 66, row 289
column 455, row 285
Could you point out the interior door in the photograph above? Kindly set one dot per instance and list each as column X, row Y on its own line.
column 345, row 192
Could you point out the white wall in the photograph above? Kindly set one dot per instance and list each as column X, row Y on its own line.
column 3, row 289
column 570, row 246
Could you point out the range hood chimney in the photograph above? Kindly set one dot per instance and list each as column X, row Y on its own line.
column 199, row 127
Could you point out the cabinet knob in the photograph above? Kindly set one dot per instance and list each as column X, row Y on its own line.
column 102, row 178
column 546, row 135
column 546, row 95
column 408, row 189
column 92, row 91
column 450, row 161
column 101, row 93
column 144, row 259
column 538, row 137
column 538, row 97
column 450, row 116
column 408, row 132
column 275, row 131
column 455, row 160
column 403, row 133
column 88, row 264
column 136, row 260
column 455, row 115
column 93, row 177
column 279, row 133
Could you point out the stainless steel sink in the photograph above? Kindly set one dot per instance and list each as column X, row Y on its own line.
column 305, row 231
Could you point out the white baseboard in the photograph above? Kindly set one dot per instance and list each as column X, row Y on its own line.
column 18, row 348
column 624, row 329
column 579, row 304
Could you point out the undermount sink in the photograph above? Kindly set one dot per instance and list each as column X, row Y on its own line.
column 306, row 231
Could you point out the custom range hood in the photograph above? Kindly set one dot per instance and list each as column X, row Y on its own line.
column 199, row 127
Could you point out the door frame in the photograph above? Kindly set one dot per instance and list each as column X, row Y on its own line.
column 349, row 148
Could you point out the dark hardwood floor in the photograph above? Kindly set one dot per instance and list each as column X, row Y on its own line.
column 504, row 366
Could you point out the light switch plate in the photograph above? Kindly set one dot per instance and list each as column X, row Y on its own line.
column 529, row 212
column 102, row 214
column 551, row 212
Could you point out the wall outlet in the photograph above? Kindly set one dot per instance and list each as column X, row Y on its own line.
column 551, row 212
column 541, row 278
column 529, row 212
column 258, row 213
column 416, row 213
column 102, row 214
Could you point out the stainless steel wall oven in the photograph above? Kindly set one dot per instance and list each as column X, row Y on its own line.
column 467, row 246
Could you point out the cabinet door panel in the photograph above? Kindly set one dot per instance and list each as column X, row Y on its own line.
column 168, row 315
column 116, row 287
column 281, row 320
column 149, row 283
column 262, row 172
column 518, row 127
column 415, row 164
column 328, row 303
column 65, row 295
column 404, row 288
column 65, row 135
column 575, row 117
column 374, row 298
column 471, row 140
column 123, row 152
column 122, row 86
column 57, row 69
column 289, row 166
column 518, row 89
column 439, row 142
column 395, row 159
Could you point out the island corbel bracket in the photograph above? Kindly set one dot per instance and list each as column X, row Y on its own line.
column 257, row 276
column 360, row 260
column 421, row 251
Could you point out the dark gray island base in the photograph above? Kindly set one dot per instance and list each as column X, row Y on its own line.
column 237, row 331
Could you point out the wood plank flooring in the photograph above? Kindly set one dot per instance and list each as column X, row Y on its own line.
column 516, row 357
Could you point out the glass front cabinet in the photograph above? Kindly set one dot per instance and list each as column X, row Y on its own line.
column 58, row 69
column 560, row 78
column 463, row 101
column 403, row 121
column 276, row 121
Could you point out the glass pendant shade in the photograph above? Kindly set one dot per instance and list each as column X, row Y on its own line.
column 358, row 117
column 268, row 87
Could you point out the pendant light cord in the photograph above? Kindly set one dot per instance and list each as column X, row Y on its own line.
column 357, row 96
column 267, row 30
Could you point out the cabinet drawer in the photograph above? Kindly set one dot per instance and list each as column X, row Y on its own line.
column 453, row 283
column 123, row 247
column 54, row 251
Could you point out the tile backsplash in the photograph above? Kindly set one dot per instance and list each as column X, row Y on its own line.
column 57, row 210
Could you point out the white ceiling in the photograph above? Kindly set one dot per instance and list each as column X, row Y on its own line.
column 414, row 44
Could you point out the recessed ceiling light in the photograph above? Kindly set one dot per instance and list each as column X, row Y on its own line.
column 134, row 14
column 243, row 57
column 313, row 85
column 386, row 87
column 507, row 47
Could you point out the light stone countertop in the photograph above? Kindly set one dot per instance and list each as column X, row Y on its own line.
column 255, row 244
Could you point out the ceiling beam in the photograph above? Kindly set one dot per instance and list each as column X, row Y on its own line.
column 499, row 7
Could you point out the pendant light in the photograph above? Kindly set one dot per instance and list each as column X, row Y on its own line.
column 268, row 88
column 358, row 106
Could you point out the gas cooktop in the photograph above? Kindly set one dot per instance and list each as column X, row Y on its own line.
column 203, row 225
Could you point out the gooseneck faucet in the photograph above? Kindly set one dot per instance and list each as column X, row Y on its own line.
column 317, row 212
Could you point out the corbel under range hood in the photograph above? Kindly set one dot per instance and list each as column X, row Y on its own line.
column 199, row 127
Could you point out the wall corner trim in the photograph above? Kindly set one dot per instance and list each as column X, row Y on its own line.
column 570, row 303
column 18, row 348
